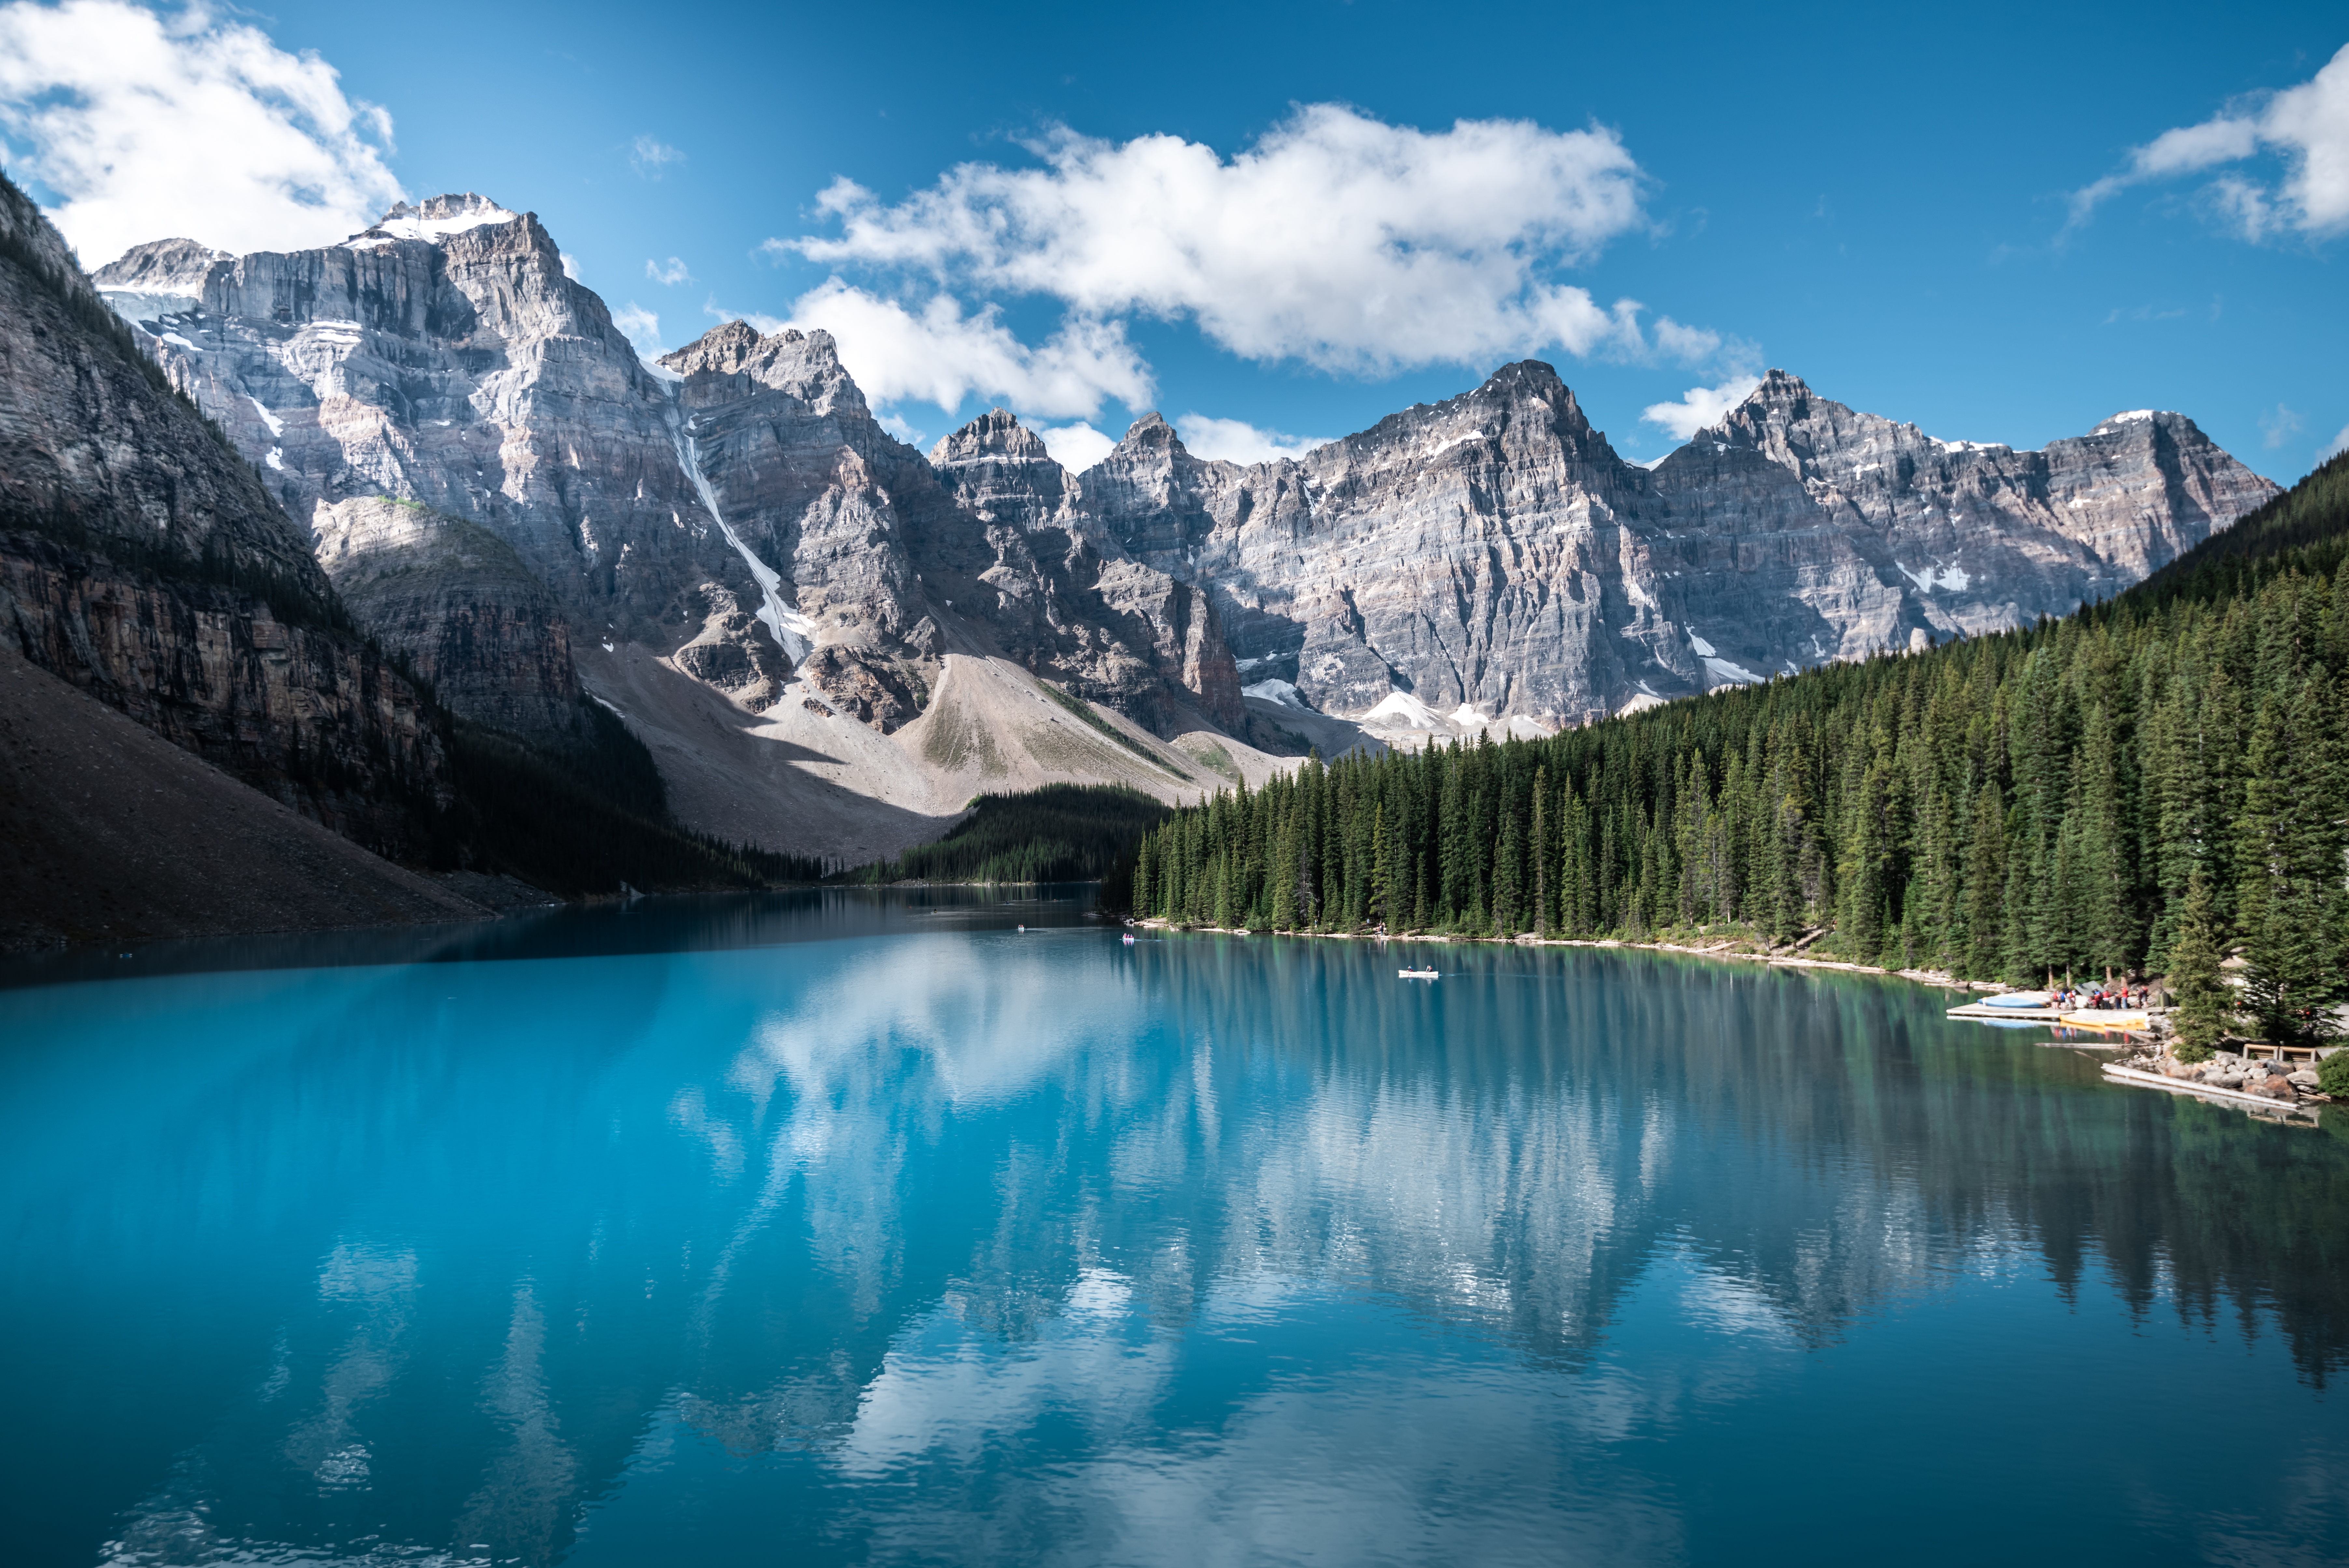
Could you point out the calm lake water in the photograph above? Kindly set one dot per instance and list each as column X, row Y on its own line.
column 835, row 1228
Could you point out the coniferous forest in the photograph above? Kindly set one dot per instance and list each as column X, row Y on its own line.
column 2001, row 808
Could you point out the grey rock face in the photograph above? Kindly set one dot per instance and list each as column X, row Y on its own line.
column 443, row 356
column 143, row 563
column 161, row 277
column 1483, row 551
column 1489, row 558
column 891, row 557
column 459, row 605
column 1492, row 553
column 1859, row 533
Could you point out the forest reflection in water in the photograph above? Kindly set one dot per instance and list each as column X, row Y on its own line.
column 816, row 1227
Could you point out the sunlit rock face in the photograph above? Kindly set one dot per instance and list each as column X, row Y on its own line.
column 1883, row 532
column 444, row 356
column 1493, row 554
column 1486, row 560
column 892, row 559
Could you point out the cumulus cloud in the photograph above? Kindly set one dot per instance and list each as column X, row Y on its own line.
column 1700, row 406
column 2278, row 425
column 671, row 271
column 1338, row 240
column 1076, row 447
column 641, row 328
column 2334, row 449
column 937, row 353
column 1236, row 441
column 2306, row 126
column 651, row 158
column 146, row 126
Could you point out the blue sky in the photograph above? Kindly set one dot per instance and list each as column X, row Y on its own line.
column 2001, row 223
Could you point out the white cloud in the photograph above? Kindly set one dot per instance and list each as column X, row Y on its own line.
column 641, row 326
column 1700, row 406
column 1236, row 441
column 1076, row 447
column 2278, row 425
column 2338, row 445
column 570, row 266
column 937, row 354
column 147, row 127
column 1351, row 244
column 2307, row 125
column 1696, row 344
column 672, row 271
column 651, row 158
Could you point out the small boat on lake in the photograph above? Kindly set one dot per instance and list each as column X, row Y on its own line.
column 1414, row 974
column 2017, row 999
column 2116, row 1019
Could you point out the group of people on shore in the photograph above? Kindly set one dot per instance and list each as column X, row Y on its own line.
column 2100, row 997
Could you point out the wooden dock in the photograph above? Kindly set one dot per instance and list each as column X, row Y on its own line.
column 2130, row 1018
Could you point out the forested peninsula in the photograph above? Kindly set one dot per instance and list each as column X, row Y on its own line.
column 1999, row 807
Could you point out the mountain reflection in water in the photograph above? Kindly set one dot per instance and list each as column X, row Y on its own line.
column 845, row 1228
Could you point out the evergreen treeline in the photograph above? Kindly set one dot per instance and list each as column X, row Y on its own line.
column 2002, row 806
column 1060, row 833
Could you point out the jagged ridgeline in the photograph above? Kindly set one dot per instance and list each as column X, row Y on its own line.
column 147, row 566
column 2001, row 806
column 1060, row 833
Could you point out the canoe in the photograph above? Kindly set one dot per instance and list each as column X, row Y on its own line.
column 1414, row 974
column 2019, row 998
column 2113, row 1020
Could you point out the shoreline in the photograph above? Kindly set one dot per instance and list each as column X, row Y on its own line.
column 1942, row 978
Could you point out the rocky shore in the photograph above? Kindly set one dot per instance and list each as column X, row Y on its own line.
column 2286, row 1083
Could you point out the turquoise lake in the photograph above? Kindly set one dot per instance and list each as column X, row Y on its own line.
column 846, row 1227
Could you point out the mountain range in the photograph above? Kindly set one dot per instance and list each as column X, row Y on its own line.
column 831, row 639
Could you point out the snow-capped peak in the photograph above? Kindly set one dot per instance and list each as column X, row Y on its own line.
column 434, row 218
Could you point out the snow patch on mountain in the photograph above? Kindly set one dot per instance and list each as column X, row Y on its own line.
column 1402, row 706
column 1280, row 691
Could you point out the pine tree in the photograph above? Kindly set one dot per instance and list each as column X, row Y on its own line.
column 2195, row 978
column 1545, row 880
column 1985, row 893
column 1507, row 900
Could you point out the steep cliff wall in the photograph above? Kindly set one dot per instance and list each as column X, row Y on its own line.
column 444, row 356
column 1491, row 556
column 141, row 561
column 455, row 602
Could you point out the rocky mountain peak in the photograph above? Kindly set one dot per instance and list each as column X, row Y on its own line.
column 801, row 365
column 721, row 351
column 160, row 266
column 995, row 435
column 437, row 217
column 1152, row 433
column 1527, row 377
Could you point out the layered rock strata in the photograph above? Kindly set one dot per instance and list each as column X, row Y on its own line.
column 444, row 356
column 1492, row 557
column 454, row 601
column 142, row 562
column 1487, row 563
column 886, row 560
